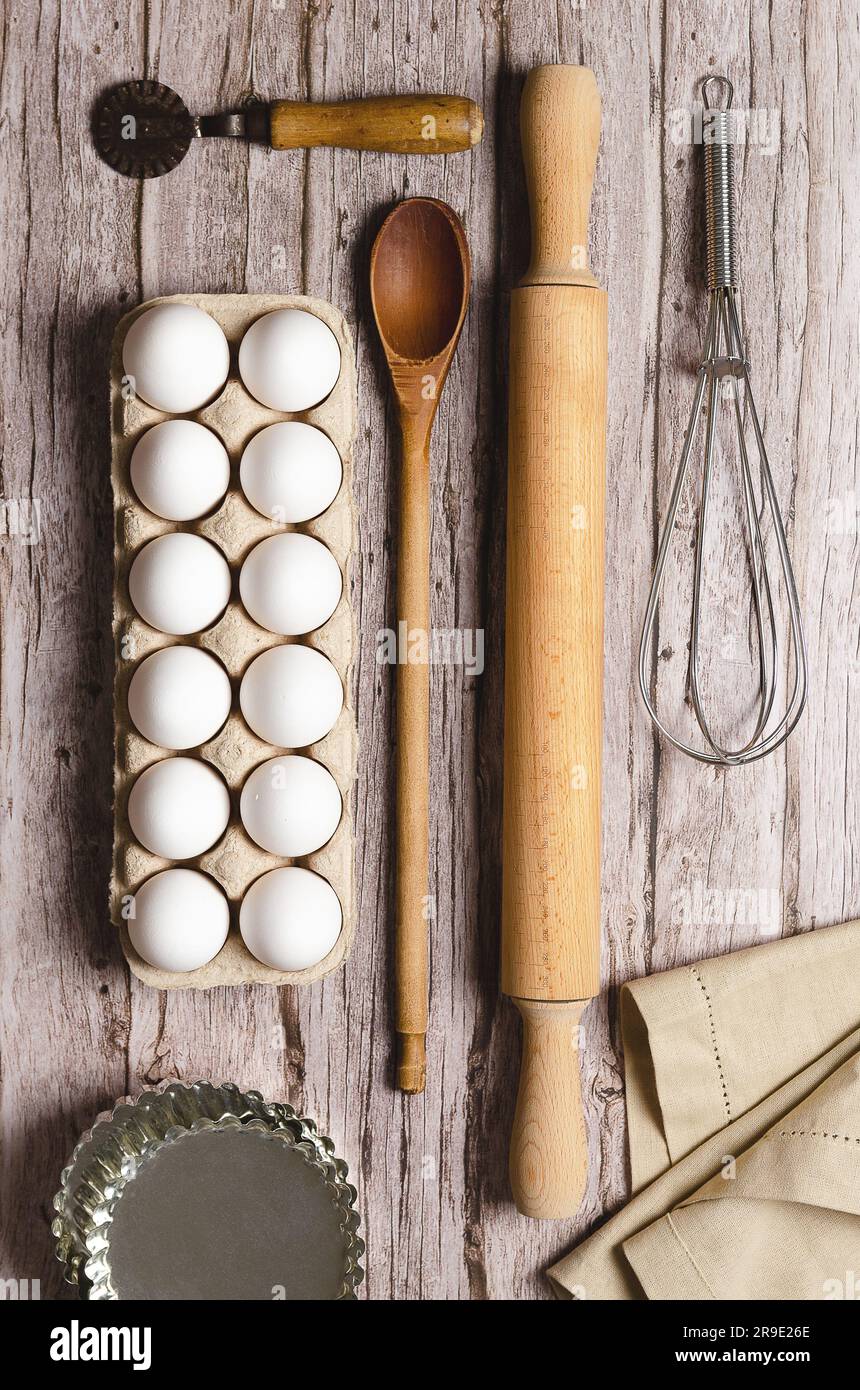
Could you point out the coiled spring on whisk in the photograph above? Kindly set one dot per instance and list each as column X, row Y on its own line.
column 725, row 366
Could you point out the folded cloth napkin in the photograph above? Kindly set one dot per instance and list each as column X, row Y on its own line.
column 743, row 1107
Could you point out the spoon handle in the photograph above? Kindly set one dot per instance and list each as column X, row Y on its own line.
column 413, row 761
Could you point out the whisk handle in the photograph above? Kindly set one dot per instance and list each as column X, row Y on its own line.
column 560, row 130
column 720, row 203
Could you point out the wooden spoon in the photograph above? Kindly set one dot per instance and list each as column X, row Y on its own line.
column 420, row 273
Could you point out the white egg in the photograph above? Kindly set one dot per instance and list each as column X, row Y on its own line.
column 181, row 920
column 289, row 359
column 291, row 696
column 180, row 470
column 291, row 806
column 290, row 471
column 290, row 584
column 178, row 808
column 179, row 583
column 179, row 697
column 290, row 918
column 177, row 356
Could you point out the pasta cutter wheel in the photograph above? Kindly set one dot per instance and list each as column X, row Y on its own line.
column 143, row 129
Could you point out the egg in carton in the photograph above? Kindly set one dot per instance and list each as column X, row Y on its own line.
column 235, row 861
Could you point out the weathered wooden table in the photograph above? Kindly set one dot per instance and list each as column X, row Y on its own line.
column 695, row 861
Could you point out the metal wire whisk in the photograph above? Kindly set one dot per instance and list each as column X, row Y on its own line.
column 725, row 361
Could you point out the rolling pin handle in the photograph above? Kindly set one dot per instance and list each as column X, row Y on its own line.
column 560, row 132
column 549, row 1152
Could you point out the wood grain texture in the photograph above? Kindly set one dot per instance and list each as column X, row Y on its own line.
column 554, row 643
column 553, row 721
column 684, row 848
column 412, row 771
column 549, row 1148
column 560, row 137
column 405, row 125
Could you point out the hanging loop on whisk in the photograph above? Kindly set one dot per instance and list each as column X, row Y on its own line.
column 721, row 81
column 724, row 367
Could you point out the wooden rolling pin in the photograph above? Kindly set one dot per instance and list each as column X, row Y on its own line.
column 554, row 640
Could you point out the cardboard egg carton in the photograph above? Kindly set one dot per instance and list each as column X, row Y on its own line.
column 235, row 861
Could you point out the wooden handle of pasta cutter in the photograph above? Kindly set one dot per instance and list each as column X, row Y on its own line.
column 400, row 124
column 554, row 640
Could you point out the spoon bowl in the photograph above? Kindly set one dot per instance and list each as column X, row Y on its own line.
column 419, row 279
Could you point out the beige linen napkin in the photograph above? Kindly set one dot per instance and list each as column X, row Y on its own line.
column 743, row 1105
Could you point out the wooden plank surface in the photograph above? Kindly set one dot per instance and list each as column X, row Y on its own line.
column 687, row 850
